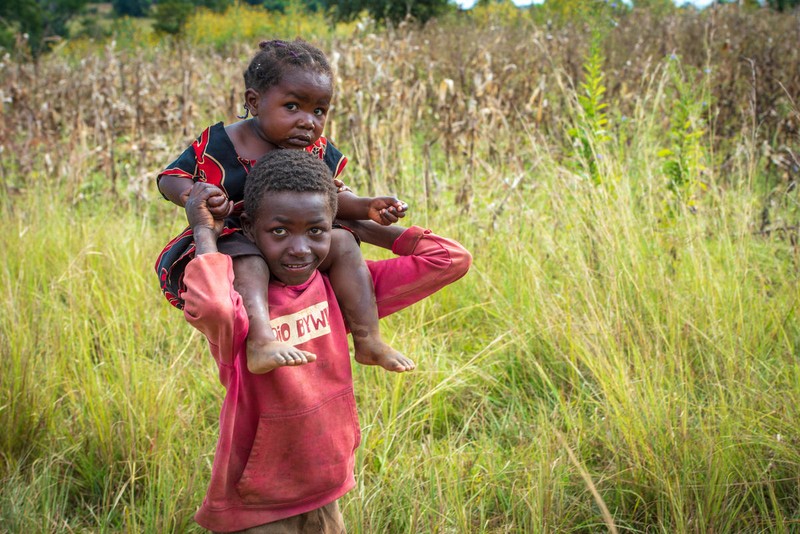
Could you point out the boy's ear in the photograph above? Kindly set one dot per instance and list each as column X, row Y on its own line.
column 247, row 226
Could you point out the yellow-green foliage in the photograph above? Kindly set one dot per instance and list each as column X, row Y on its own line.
column 503, row 12
column 243, row 22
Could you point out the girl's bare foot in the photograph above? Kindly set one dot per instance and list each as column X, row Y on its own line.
column 372, row 351
column 264, row 356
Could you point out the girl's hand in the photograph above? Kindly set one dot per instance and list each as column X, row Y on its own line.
column 205, row 199
column 340, row 187
column 386, row 210
column 219, row 206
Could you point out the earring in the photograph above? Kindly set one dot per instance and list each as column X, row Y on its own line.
column 246, row 113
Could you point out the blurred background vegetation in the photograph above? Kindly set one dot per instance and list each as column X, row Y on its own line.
column 45, row 22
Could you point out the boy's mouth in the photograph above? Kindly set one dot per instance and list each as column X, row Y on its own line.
column 296, row 273
column 296, row 266
column 295, row 270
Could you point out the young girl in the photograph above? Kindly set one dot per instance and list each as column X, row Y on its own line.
column 288, row 91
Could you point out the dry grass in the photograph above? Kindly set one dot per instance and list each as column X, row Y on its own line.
column 443, row 87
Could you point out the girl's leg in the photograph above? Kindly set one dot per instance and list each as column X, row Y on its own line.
column 264, row 351
column 352, row 285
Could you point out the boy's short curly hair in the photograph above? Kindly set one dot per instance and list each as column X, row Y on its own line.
column 288, row 170
column 274, row 58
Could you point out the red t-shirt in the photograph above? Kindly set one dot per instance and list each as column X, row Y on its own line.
column 287, row 438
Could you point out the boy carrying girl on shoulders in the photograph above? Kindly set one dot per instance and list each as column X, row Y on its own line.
column 287, row 438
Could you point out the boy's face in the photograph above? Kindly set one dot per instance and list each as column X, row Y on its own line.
column 293, row 232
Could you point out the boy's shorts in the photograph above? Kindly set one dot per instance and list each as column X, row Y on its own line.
column 325, row 520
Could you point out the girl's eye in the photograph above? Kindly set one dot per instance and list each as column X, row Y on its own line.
column 291, row 107
column 319, row 112
column 315, row 231
column 279, row 232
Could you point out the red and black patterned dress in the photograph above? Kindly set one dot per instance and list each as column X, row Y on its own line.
column 212, row 158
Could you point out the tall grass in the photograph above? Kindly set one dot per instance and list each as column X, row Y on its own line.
column 622, row 355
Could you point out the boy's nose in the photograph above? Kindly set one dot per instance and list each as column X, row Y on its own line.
column 299, row 247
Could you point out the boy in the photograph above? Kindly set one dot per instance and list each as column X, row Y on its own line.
column 285, row 453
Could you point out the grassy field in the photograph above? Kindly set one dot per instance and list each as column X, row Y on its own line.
column 621, row 358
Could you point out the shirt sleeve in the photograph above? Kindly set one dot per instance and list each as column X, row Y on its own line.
column 335, row 160
column 425, row 263
column 183, row 167
column 213, row 306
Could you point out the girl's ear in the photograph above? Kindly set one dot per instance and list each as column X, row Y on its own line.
column 251, row 98
column 247, row 226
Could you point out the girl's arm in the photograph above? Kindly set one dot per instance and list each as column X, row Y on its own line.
column 382, row 210
column 175, row 188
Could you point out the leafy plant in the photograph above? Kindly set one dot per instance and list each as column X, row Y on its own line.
column 590, row 130
column 132, row 8
column 395, row 12
column 39, row 22
column 683, row 158
column 172, row 15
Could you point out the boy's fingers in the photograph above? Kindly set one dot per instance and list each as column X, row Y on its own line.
column 202, row 191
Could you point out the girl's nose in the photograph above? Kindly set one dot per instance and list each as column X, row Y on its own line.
column 306, row 121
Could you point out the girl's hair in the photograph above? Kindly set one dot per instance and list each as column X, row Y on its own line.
column 288, row 170
column 275, row 57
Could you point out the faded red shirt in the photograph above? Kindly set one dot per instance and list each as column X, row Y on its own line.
column 287, row 438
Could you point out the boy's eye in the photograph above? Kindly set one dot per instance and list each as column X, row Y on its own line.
column 320, row 111
column 315, row 231
column 279, row 232
column 291, row 107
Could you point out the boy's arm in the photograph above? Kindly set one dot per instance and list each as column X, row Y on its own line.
column 211, row 303
column 425, row 264
column 213, row 306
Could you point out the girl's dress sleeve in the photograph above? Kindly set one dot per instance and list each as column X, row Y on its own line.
column 183, row 167
column 335, row 160
column 325, row 150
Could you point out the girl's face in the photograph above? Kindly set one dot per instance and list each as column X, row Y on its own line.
column 292, row 114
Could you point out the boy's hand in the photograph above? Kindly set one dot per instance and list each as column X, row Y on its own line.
column 386, row 210
column 204, row 201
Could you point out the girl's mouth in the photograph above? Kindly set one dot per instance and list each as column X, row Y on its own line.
column 299, row 141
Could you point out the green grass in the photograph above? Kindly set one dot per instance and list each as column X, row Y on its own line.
column 661, row 353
